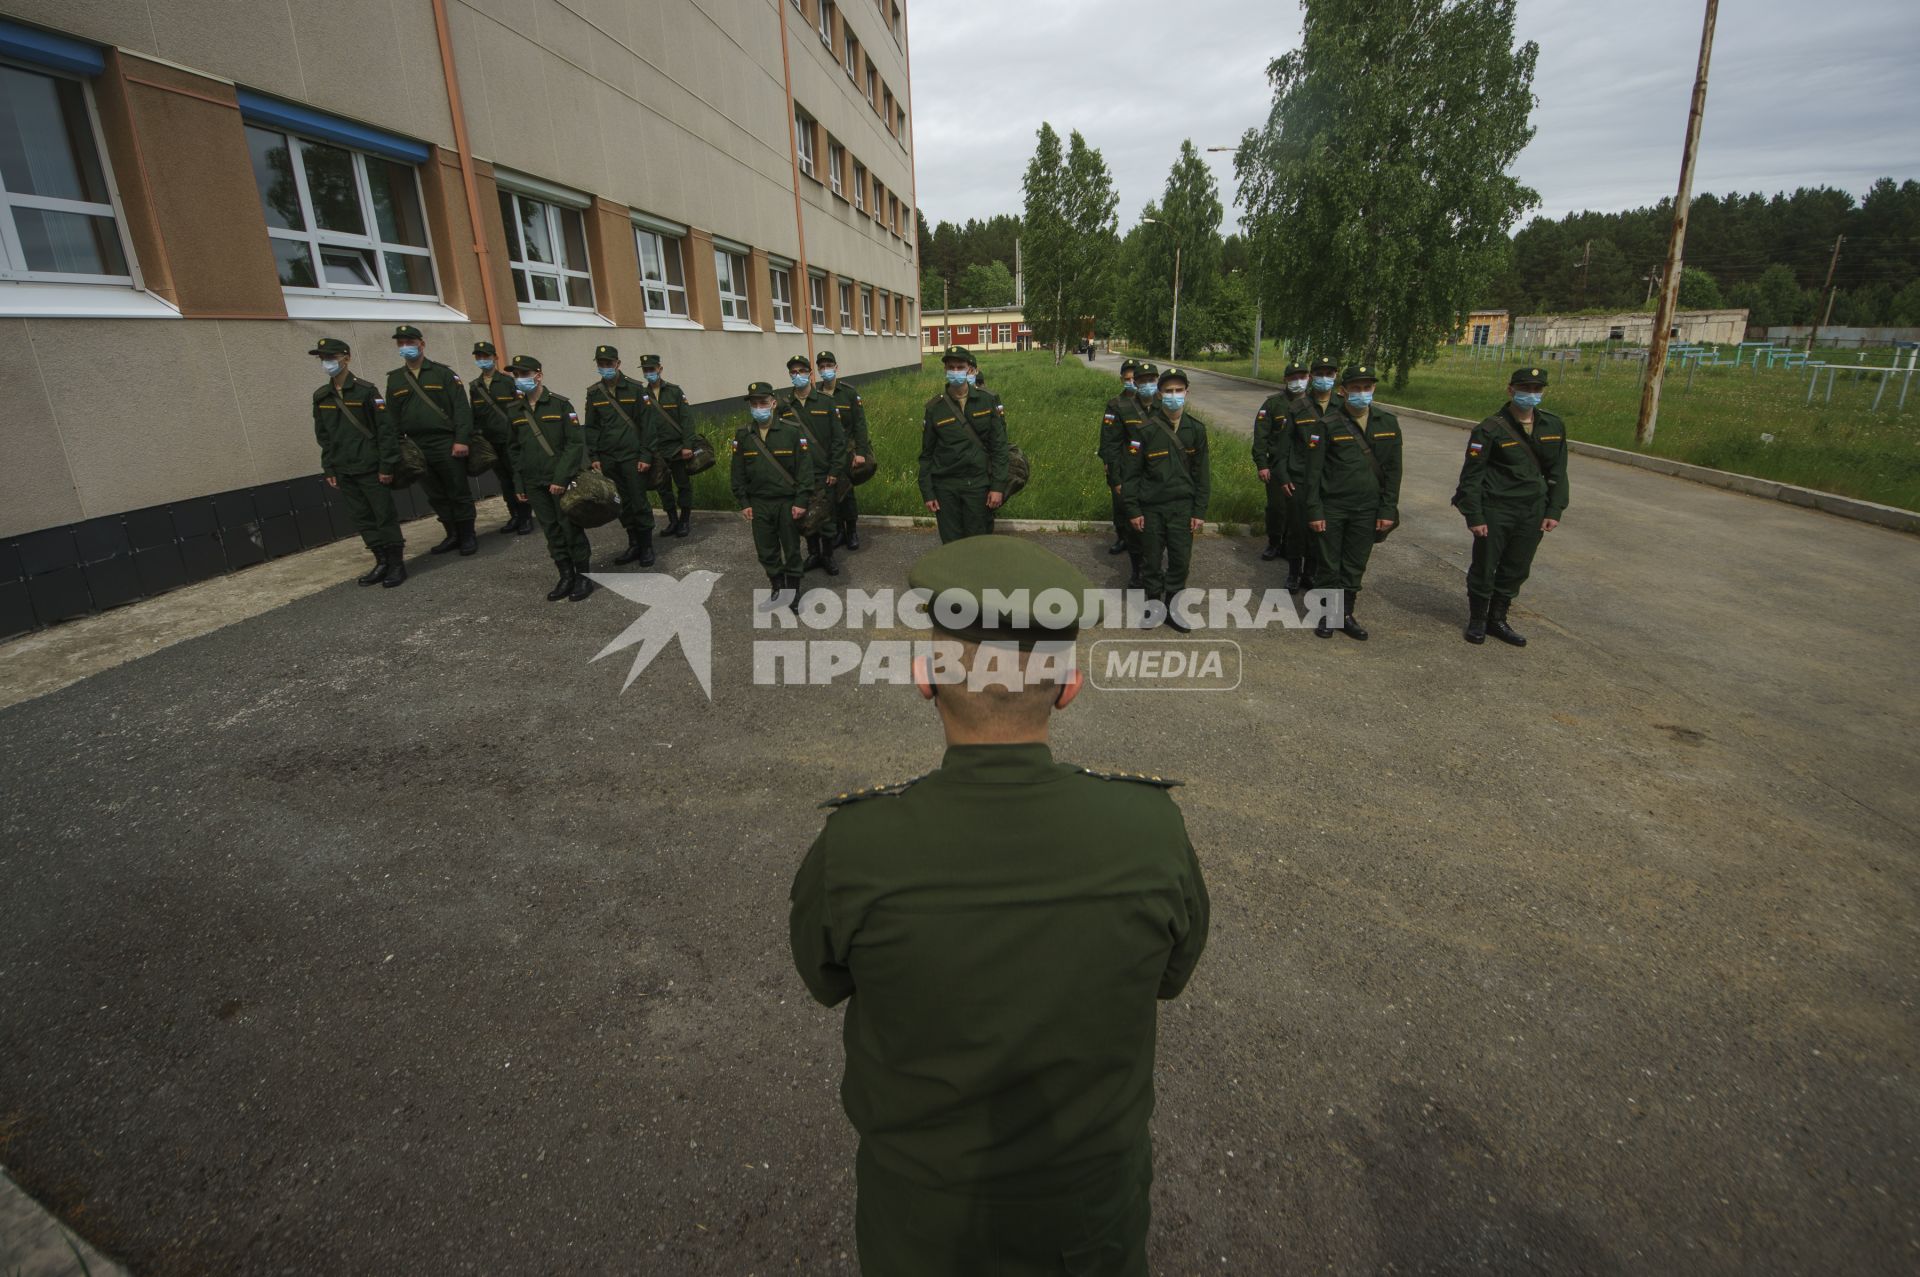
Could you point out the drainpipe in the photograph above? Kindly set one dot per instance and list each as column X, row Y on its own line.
column 465, row 154
column 793, row 157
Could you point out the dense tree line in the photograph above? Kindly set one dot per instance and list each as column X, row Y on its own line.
column 973, row 261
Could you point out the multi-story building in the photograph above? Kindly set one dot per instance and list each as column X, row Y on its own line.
column 193, row 191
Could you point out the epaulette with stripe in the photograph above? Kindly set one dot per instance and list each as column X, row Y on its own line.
column 1138, row 778
column 875, row 791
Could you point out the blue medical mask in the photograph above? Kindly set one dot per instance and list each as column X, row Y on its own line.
column 828, row 374
column 1173, row 401
column 956, row 376
column 484, row 365
column 1359, row 398
column 1323, row 383
column 1145, row 388
column 409, row 353
column 1527, row 398
column 972, row 376
column 761, row 415
column 800, row 379
column 653, row 376
column 525, row 385
column 608, row 374
column 331, row 367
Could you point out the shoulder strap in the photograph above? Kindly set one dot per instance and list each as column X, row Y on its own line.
column 1179, row 449
column 533, row 424
column 1163, row 782
column 435, row 408
column 487, row 396
column 1366, row 447
column 762, row 449
column 876, row 791
column 348, row 412
column 618, row 411
column 1519, row 437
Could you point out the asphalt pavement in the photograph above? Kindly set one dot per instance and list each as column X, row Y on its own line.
column 382, row 932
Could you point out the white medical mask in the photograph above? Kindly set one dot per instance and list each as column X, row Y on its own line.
column 800, row 379
column 484, row 365
column 829, row 373
column 1173, row 401
column 1146, row 388
column 1527, row 399
column 608, row 374
column 956, row 376
column 1297, row 386
column 653, row 376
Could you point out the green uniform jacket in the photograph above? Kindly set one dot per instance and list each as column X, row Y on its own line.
column 608, row 437
column 672, row 403
column 557, row 423
column 1307, row 414
column 1151, row 473
column 949, row 457
column 757, row 479
column 1003, row 927
column 1498, row 471
column 853, row 416
column 442, row 386
column 818, row 417
column 496, row 388
column 1121, row 422
column 1339, row 476
column 1272, row 426
column 345, row 448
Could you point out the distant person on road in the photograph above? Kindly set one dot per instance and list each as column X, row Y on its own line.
column 1352, row 490
column 1001, row 930
column 1272, row 431
column 1166, row 481
column 359, row 454
column 963, row 452
column 1512, row 492
column 1120, row 422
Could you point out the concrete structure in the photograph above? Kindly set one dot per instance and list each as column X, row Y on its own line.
column 1483, row 328
column 1635, row 328
column 209, row 186
column 1843, row 338
column 990, row 328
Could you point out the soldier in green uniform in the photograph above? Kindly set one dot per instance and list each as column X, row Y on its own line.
column 1272, row 426
column 491, row 392
column 963, row 453
column 359, row 452
column 1310, row 409
column 674, row 446
column 853, row 420
column 431, row 407
column 1352, row 489
column 1513, row 491
column 1120, row 422
column 1000, row 930
column 772, row 477
column 549, row 449
column 1166, row 479
column 618, row 426
column 818, row 416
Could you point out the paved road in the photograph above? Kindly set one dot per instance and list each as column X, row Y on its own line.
column 381, row 932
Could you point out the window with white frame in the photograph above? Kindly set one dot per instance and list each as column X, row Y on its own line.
column 900, row 124
column 663, row 276
column 860, row 186
column 803, row 142
column 836, row 160
column 780, row 279
column 731, row 268
column 1003, row 333
column 886, row 313
column 853, row 58
column 846, row 306
column 817, row 299
column 873, row 86
column 341, row 222
column 826, row 22
column 866, row 309
column 547, row 250
column 59, row 223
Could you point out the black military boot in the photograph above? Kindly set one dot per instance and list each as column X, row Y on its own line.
column 582, row 586
column 852, row 539
column 378, row 572
column 512, row 524
column 1476, row 631
column 775, row 583
column 646, row 546
column 632, row 551
column 448, row 543
column 467, row 544
column 813, row 554
column 1271, row 553
column 826, row 556
column 1119, row 546
column 683, row 526
column 789, row 596
column 563, row 585
column 1497, row 623
column 1293, row 574
column 523, row 522
column 1351, row 627
column 396, row 567
column 1135, row 581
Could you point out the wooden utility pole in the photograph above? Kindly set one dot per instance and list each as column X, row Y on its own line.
column 1821, row 322
column 1586, row 256
column 1676, row 242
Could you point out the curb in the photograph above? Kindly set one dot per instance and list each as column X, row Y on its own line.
column 1885, row 516
column 1046, row 525
column 34, row 1242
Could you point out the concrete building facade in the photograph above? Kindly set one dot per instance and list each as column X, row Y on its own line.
column 1634, row 328
column 1483, row 328
column 193, row 191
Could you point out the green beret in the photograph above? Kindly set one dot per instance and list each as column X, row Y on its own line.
column 957, row 352
column 971, row 566
column 826, row 357
column 755, row 388
column 799, row 361
column 606, row 352
column 330, row 346
column 483, row 348
column 407, row 332
column 1324, row 361
column 523, row 363
column 1295, row 370
column 1528, row 377
column 1359, row 372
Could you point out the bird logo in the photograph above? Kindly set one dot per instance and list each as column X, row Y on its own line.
column 675, row 608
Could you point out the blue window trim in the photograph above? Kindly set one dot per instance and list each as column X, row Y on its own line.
column 47, row 49
column 256, row 109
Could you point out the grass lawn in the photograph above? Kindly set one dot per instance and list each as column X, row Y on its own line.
column 1723, row 419
column 1053, row 413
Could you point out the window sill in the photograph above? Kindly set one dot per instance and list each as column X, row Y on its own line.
column 674, row 321
column 534, row 317
column 739, row 326
column 91, row 301
column 423, row 311
column 823, row 329
column 780, row 327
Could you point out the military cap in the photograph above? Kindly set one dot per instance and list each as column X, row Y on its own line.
column 1528, row 377
column 1146, row 372
column 971, row 361
column 1128, row 365
column 1359, row 372
column 484, row 348
column 755, row 388
column 1324, row 361
column 1295, row 370
column 523, row 363
column 330, row 346
column 407, row 332
column 826, row 357
column 649, row 361
column 1173, row 372
column 606, row 352
column 971, row 566
column 798, row 361
column 956, row 352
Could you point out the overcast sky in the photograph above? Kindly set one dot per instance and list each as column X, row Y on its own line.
column 1798, row 94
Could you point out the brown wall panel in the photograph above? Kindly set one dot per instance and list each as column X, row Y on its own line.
column 759, row 290
column 451, row 229
column 703, row 281
column 496, row 233
column 615, row 264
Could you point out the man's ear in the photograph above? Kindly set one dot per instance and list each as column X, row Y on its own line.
column 923, row 676
column 1069, row 688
